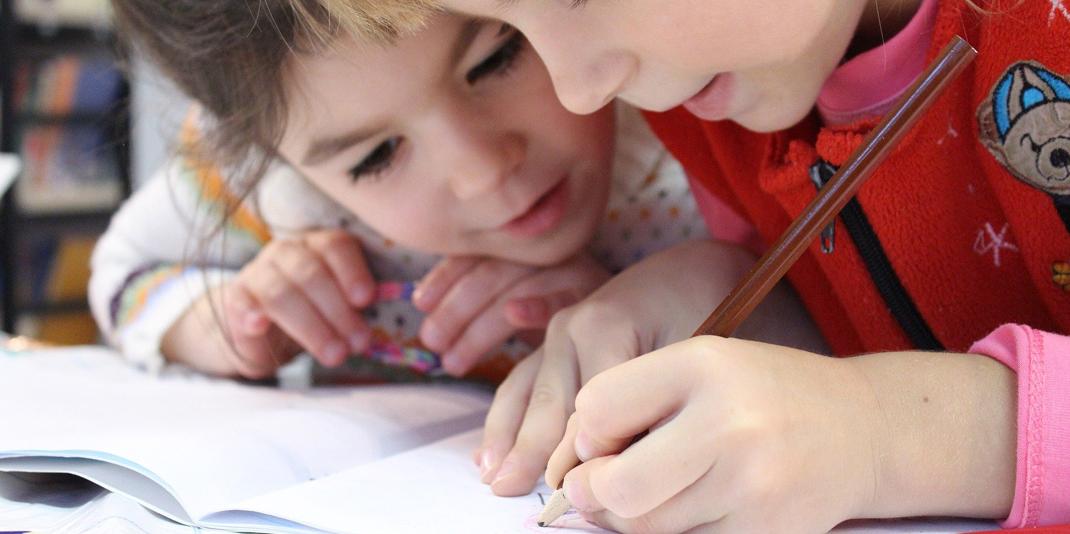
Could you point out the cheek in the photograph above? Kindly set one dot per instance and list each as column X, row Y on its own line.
column 396, row 210
column 410, row 219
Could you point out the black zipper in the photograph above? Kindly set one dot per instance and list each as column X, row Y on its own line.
column 880, row 269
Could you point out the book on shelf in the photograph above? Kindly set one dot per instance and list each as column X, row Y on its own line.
column 69, row 152
column 67, row 84
column 54, row 290
column 68, row 169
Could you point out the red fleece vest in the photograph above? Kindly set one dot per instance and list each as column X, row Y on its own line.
column 971, row 212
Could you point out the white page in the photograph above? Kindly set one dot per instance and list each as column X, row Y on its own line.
column 214, row 443
column 432, row 489
column 436, row 489
column 9, row 170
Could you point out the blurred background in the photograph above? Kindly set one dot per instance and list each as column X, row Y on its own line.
column 80, row 128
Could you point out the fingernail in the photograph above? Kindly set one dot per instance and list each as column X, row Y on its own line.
column 583, row 446
column 505, row 471
column 431, row 336
column 359, row 296
column 253, row 321
column 487, row 462
column 576, row 496
column 358, row 342
column 418, row 295
column 453, row 365
column 335, row 352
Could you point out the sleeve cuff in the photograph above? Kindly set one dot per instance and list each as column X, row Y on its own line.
column 1042, row 362
column 140, row 337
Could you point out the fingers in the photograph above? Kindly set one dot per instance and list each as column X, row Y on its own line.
column 700, row 507
column 527, row 313
column 564, row 457
column 537, row 299
column 247, row 327
column 438, row 282
column 485, row 333
column 704, row 506
column 652, row 470
column 548, row 408
column 505, row 415
column 307, row 272
column 466, row 299
column 293, row 312
column 342, row 254
column 626, row 400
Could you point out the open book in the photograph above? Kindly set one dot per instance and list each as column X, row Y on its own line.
column 216, row 454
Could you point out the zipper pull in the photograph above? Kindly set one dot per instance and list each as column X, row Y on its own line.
column 820, row 173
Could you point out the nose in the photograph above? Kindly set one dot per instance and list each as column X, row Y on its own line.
column 482, row 161
column 587, row 79
column 1060, row 158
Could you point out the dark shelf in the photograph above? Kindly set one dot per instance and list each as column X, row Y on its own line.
column 25, row 43
column 54, row 308
column 76, row 118
column 62, row 36
column 72, row 219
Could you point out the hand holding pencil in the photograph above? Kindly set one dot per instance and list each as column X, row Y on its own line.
column 666, row 401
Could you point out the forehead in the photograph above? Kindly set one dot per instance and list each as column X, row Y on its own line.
column 358, row 76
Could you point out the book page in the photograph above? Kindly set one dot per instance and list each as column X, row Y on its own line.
column 435, row 488
column 214, row 443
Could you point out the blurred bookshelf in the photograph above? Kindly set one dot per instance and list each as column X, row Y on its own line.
column 64, row 113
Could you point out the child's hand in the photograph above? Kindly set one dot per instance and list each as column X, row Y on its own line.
column 297, row 293
column 746, row 437
column 750, row 437
column 662, row 299
column 475, row 305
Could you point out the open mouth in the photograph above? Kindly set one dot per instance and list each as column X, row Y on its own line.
column 543, row 216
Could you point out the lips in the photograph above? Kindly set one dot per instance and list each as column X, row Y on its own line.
column 713, row 101
column 543, row 216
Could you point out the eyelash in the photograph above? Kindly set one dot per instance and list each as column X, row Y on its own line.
column 500, row 63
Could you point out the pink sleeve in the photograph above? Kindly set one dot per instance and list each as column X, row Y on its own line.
column 1042, row 361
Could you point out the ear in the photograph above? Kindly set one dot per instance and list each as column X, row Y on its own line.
column 988, row 134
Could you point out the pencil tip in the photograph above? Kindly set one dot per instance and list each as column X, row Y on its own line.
column 542, row 524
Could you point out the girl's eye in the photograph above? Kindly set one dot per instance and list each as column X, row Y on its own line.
column 501, row 61
column 378, row 161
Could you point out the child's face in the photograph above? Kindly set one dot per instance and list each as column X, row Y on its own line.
column 451, row 142
column 760, row 63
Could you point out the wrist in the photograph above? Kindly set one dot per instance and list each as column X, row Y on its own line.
column 190, row 339
column 943, row 430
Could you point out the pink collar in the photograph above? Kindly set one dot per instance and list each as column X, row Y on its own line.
column 869, row 83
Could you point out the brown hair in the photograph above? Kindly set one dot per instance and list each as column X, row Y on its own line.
column 231, row 55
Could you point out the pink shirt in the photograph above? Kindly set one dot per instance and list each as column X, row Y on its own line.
column 866, row 86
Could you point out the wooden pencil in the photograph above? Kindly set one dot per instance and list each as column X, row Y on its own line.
column 770, row 269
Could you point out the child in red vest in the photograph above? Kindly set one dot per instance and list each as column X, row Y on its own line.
column 951, row 269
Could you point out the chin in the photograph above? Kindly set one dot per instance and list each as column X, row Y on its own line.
column 768, row 119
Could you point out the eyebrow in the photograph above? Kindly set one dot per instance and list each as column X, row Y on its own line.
column 322, row 150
